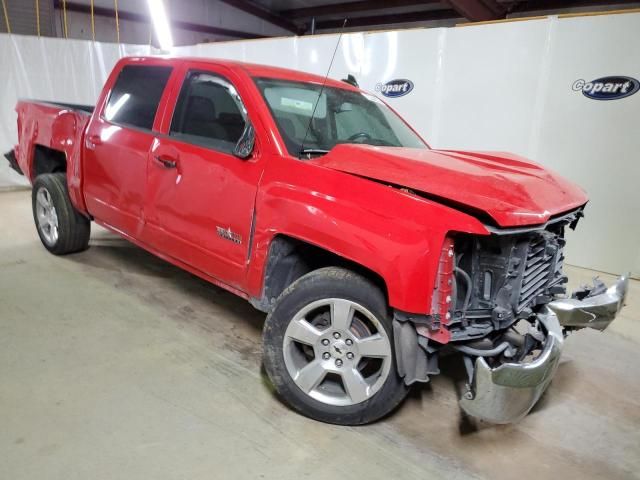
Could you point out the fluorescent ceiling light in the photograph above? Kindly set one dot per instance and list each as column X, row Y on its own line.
column 160, row 24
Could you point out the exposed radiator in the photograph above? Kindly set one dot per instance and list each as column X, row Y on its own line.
column 543, row 268
column 511, row 273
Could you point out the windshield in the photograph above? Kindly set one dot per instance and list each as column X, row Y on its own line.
column 341, row 116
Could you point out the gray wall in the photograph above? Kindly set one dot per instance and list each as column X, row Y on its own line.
column 22, row 16
column 205, row 12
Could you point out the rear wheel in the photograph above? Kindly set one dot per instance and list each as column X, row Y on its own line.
column 61, row 228
column 328, row 349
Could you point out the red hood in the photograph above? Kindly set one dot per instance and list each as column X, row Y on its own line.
column 511, row 189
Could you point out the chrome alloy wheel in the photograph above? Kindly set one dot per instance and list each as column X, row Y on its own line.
column 47, row 216
column 337, row 352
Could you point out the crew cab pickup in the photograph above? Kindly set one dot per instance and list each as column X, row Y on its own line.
column 371, row 253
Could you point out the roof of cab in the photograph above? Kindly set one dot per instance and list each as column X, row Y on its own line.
column 253, row 70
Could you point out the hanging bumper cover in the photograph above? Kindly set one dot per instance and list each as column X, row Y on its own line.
column 507, row 393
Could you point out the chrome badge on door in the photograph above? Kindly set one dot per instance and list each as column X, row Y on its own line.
column 228, row 234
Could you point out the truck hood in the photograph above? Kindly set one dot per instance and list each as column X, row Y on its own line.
column 510, row 189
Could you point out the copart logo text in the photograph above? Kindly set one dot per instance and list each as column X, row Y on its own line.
column 607, row 88
column 395, row 88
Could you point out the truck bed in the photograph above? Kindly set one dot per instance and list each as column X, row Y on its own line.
column 55, row 126
column 62, row 106
column 59, row 106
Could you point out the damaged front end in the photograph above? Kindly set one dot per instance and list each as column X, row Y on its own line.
column 594, row 307
column 508, row 391
column 500, row 301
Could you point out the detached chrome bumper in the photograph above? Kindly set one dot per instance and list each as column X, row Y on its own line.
column 596, row 310
column 507, row 393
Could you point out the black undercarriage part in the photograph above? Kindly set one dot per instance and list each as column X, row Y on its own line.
column 13, row 162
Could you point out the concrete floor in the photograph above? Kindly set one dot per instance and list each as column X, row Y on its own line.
column 114, row 364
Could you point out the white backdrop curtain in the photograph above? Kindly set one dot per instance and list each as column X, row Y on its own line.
column 505, row 86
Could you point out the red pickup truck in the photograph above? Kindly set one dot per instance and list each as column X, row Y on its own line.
column 372, row 253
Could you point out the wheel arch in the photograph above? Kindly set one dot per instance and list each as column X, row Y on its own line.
column 289, row 258
column 47, row 160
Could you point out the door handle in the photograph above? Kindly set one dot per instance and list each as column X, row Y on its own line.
column 166, row 162
column 95, row 139
column 92, row 140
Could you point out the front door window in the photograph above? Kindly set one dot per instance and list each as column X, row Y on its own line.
column 209, row 112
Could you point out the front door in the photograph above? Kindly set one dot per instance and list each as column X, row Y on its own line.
column 200, row 197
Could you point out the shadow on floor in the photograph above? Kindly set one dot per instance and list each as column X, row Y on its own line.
column 129, row 266
column 117, row 260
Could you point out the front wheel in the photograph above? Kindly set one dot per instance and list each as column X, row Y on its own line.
column 328, row 349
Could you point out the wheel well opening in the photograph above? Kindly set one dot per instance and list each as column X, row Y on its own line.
column 290, row 259
column 48, row 160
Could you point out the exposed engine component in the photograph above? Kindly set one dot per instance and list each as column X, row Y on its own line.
column 502, row 278
column 488, row 293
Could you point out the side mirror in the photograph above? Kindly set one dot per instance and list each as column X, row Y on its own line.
column 244, row 147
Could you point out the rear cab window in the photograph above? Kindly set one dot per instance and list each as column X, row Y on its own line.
column 136, row 94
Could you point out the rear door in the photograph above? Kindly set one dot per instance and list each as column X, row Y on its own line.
column 200, row 197
column 117, row 144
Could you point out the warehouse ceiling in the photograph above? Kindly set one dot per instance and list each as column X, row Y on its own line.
column 236, row 19
column 305, row 15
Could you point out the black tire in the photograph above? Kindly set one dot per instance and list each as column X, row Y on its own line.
column 329, row 283
column 73, row 229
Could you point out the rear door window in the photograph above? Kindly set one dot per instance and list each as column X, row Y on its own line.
column 209, row 112
column 136, row 94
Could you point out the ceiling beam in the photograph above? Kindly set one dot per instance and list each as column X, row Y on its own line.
column 263, row 14
column 338, row 9
column 141, row 18
column 387, row 19
column 478, row 10
column 533, row 5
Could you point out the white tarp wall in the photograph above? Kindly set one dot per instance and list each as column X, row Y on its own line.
column 53, row 69
column 492, row 87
